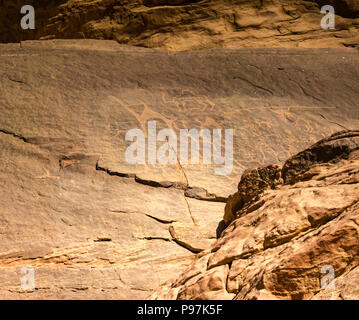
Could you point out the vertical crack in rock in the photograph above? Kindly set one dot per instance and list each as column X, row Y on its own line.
column 187, row 185
column 189, row 211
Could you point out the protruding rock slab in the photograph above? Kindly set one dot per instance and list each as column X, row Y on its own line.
column 289, row 245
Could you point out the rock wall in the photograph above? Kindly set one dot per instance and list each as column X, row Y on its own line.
column 93, row 226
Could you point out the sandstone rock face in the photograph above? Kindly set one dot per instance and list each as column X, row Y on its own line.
column 94, row 226
column 281, row 244
column 185, row 25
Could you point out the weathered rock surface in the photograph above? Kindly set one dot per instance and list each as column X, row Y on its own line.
column 94, row 226
column 278, row 242
column 187, row 24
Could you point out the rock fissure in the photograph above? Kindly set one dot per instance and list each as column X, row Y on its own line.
column 190, row 192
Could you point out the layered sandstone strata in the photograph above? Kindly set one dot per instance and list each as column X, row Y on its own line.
column 187, row 24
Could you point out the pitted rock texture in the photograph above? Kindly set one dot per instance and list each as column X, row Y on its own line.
column 283, row 243
column 93, row 226
column 179, row 25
